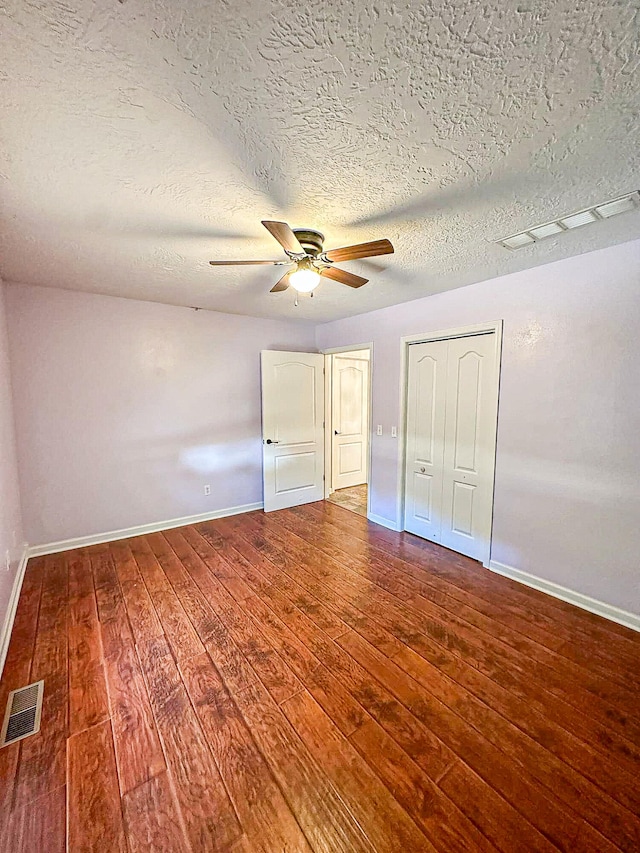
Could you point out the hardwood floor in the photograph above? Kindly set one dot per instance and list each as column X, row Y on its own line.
column 308, row 681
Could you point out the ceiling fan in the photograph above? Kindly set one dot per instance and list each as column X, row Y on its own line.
column 304, row 250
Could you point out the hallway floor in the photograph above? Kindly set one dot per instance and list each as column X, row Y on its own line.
column 353, row 498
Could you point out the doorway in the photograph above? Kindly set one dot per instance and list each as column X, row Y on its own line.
column 347, row 416
column 450, row 424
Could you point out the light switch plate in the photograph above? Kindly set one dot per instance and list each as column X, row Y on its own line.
column 379, row 430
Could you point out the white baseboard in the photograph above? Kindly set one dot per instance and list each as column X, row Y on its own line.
column 7, row 627
column 384, row 522
column 601, row 608
column 141, row 530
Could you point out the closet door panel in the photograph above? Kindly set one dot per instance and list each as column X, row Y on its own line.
column 469, row 445
column 427, row 378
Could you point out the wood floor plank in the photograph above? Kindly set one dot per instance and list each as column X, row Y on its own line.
column 323, row 816
column 499, row 622
column 88, row 702
column 438, row 816
column 50, row 656
column 503, row 772
column 203, row 618
column 17, row 665
column 40, row 825
column 556, row 617
column 386, row 825
column 152, row 818
column 308, row 681
column 600, row 771
column 210, row 819
column 565, row 679
column 95, row 814
column 319, row 681
column 182, row 637
column 43, row 757
column 263, row 812
column 141, row 613
column 560, row 764
column 260, row 654
column 273, row 576
column 502, row 821
column 115, row 627
column 138, row 751
column 406, row 626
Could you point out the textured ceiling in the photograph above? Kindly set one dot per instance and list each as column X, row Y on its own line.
column 141, row 138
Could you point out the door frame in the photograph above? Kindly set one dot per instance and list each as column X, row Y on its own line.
column 491, row 327
column 328, row 401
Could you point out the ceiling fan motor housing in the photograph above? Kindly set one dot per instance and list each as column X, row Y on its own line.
column 310, row 240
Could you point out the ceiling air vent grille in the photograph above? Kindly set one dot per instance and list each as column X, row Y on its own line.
column 604, row 210
column 22, row 717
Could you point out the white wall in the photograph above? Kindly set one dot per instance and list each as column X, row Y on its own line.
column 567, row 498
column 126, row 409
column 11, row 536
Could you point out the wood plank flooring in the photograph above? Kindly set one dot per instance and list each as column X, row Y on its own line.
column 308, row 681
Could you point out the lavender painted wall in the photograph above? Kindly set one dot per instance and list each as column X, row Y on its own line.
column 567, row 497
column 126, row 409
column 11, row 536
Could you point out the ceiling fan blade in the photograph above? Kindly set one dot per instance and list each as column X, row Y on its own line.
column 344, row 277
column 245, row 263
column 285, row 236
column 281, row 284
column 361, row 250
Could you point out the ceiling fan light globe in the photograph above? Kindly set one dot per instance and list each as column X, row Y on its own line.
column 304, row 281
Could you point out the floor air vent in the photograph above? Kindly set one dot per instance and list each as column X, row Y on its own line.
column 22, row 717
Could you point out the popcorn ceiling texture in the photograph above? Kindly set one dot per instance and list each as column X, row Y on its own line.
column 140, row 139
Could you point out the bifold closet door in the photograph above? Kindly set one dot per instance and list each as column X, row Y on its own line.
column 426, row 399
column 451, row 434
column 469, row 445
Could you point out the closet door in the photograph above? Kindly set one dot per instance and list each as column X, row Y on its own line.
column 469, row 445
column 426, row 395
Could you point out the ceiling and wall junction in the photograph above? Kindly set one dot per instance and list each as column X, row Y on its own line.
column 141, row 139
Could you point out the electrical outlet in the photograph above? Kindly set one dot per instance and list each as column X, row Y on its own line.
column 207, row 490
column 7, row 559
column 394, row 432
column 379, row 430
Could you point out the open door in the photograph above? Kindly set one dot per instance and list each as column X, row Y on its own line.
column 350, row 419
column 292, row 428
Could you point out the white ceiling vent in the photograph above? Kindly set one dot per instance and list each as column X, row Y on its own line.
column 604, row 210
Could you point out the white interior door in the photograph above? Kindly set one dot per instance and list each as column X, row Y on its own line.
column 451, row 432
column 426, row 397
column 292, row 428
column 350, row 421
column 469, row 445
